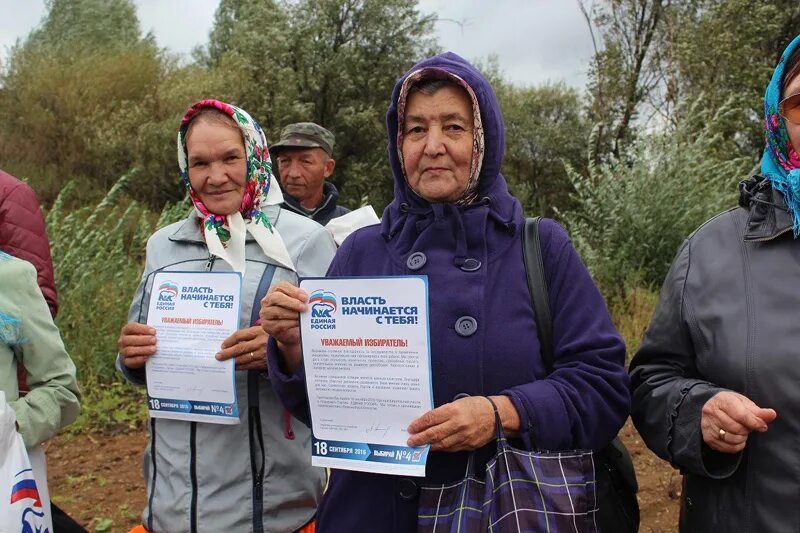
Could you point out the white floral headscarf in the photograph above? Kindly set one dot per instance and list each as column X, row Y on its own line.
column 225, row 235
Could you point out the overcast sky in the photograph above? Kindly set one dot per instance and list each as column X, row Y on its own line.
column 535, row 41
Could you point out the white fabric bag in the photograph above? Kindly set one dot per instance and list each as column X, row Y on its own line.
column 341, row 227
column 24, row 500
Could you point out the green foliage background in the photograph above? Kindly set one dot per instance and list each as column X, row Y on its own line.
column 656, row 143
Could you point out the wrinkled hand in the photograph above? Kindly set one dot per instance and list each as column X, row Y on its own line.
column 465, row 424
column 280, row 318
column 737, row 415
column 280, row 312
column 136, row 344
column 248, row 346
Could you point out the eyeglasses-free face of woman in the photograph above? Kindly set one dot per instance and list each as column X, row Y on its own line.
column 217, row 166
column 437, row 143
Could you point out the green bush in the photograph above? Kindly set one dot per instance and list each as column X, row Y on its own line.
column 71, row 114
column 98, row 253
column 631, row 215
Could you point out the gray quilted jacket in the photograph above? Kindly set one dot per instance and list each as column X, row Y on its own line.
column 255, row 476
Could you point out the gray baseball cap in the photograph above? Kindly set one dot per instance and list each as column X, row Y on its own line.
column 305, row 135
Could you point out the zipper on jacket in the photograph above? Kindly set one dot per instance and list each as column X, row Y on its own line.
column 153, row 479
column 771, row 237
column 193, row 475
column 256, row 467
column 323, row 206
column 193, row 445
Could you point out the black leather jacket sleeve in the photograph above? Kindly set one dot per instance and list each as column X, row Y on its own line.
column 668, row 392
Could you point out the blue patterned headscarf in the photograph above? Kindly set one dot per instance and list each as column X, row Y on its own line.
column 781, row 163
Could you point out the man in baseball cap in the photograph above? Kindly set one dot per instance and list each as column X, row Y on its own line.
column 304, row 158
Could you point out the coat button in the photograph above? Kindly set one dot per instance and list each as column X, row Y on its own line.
column 407, row 488
column 471, row 265
column 416, row 261
column 466, row 326
column 689, row 503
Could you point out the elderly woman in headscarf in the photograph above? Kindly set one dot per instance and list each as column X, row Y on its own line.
column 715, row 382
column 453, row 220
column 256, row 475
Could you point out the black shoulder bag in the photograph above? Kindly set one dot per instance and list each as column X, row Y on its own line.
column 618, row 509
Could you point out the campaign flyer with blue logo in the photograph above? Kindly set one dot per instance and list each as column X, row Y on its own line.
column 366, row 352
column 192, row 313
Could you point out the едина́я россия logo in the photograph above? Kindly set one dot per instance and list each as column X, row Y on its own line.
column 323, row 304
column 167, row 291
column 167, row 294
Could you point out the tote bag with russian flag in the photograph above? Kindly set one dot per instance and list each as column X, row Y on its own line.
column 22, row 509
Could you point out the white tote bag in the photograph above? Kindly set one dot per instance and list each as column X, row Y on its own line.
column 24, row 501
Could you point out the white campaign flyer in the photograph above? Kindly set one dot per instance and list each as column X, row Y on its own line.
column 366, row 353
column 193, row 312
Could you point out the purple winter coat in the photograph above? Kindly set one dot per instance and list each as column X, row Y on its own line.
column 582, row 404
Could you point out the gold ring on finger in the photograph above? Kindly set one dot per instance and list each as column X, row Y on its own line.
column 722, row 434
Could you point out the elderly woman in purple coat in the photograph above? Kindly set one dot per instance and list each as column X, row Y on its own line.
column 453, row 219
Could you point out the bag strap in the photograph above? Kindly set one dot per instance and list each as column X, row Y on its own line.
column 498, row 425
column 261, row 291
column 255, row 433
column 537, row 285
